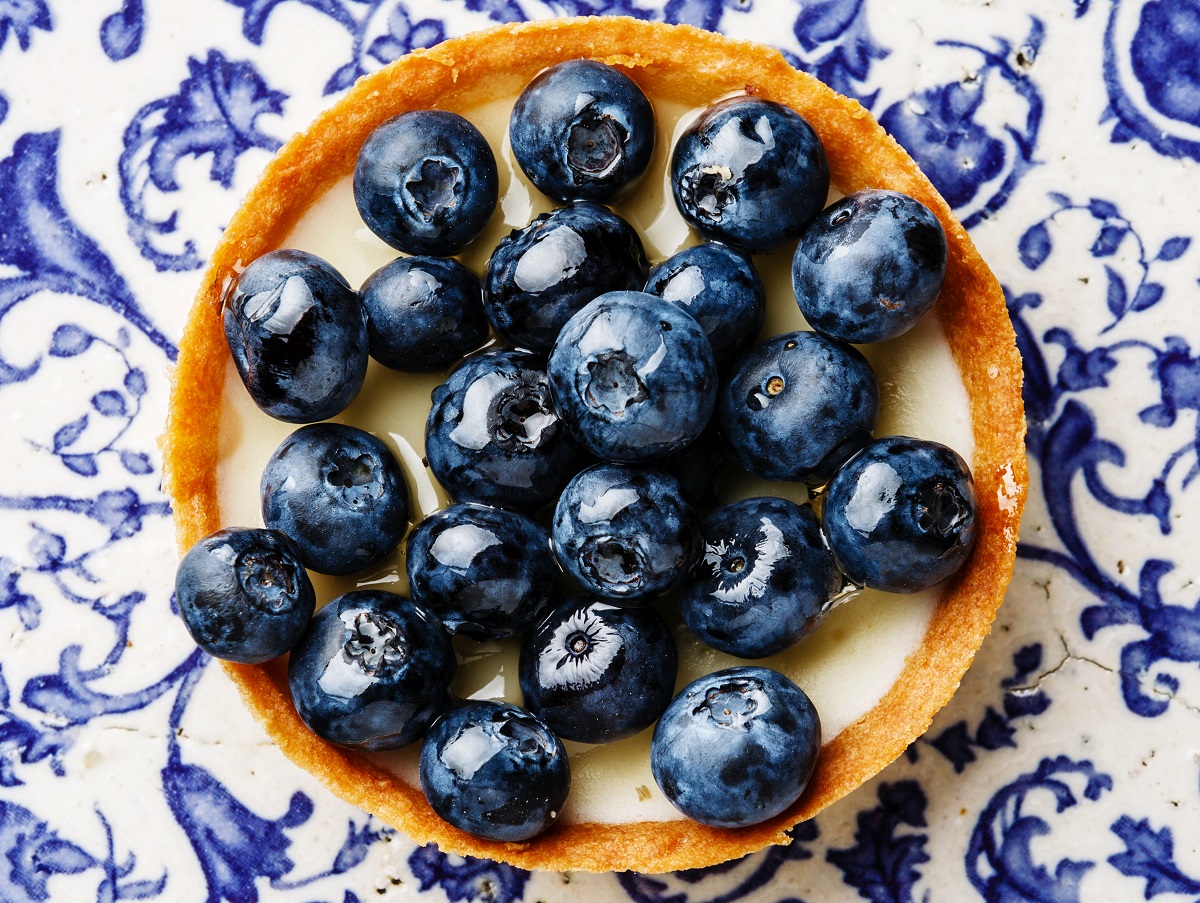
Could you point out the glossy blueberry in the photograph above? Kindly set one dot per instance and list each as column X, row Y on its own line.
column 494, row 770
column 486, row 572
column 624, row 533
column 633, row 377
column 339, row 494
column 582, row 129
column 869, row 266
column 426, row 182
column 373, row 671
column 697, row 468
column 423, row 313
column 540, row 275
column 244, row 595
column 736, row 747
column 596, row 672
column 751, row 173
column 797, row 406
column 765, row 580
column 296, row 333
column 901, row 517
column 720, row 288
column 494, row 435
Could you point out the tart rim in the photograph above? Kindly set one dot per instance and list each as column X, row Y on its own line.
column 690, row 65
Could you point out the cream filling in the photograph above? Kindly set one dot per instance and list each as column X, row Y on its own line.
column 846, row 667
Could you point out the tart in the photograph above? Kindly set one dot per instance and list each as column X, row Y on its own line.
column 681, row 69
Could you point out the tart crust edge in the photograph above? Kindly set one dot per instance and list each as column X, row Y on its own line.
column 688, row 65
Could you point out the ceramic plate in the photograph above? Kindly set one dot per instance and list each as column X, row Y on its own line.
column 1066, row 135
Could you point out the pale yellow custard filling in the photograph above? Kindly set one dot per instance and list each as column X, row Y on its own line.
column 846, row 667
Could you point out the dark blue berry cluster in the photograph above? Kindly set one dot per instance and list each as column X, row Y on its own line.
column 621, row 393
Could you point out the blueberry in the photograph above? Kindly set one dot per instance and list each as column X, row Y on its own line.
column 721, row 289
column 423, row 313
column 901, row 517
column 494, row 435
column 339, row 494
column 596, row 672
column 582, row 129
column 540, row 275
column 372, row 671
column 869, row 266
column 486, row 572
column 765, row 581
column 633, row 377
column 494, row 770
column 797, row 406
column 751, row 173
column 296, row 333
column 624, row 533
column 426, row 182
column 736, row 747
column 244, row 595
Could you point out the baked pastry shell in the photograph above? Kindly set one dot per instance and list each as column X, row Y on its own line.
column 690, row 66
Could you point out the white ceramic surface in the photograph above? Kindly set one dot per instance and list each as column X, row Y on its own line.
column 1067, row 137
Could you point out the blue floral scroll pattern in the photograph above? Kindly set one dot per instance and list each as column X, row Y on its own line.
column 739, row 877
column 1149, row 855
column 214, row 113
column 45, row 251
column 837, row 46
column 883, row 865
column 703, row 13
column 608, row 8
column 1114, row 233
column 247, row 853
column 1000, row 861
column 959, row 744
column 467, row 878
column 1070, row 447
column 68, row 698
column 975, row 168
column 120, row 404
column 1064, row 438
column 19, row 18
column 36, row 854
column 707, row 14
column 52, row 561
column 1151, row 74
column 255, row 13
column 381, row 30
column 121, row 33
column 66, row 701
column 234, row 846
column 357, row 843
column 383, row 35
column 45, row 256
column 22, row 742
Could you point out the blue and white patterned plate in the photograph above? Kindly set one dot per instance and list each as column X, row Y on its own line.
column 1066, row 135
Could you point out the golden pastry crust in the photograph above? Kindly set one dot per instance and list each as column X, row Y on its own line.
column 686, row 65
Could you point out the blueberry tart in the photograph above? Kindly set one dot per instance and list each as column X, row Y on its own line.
column 953, row 378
